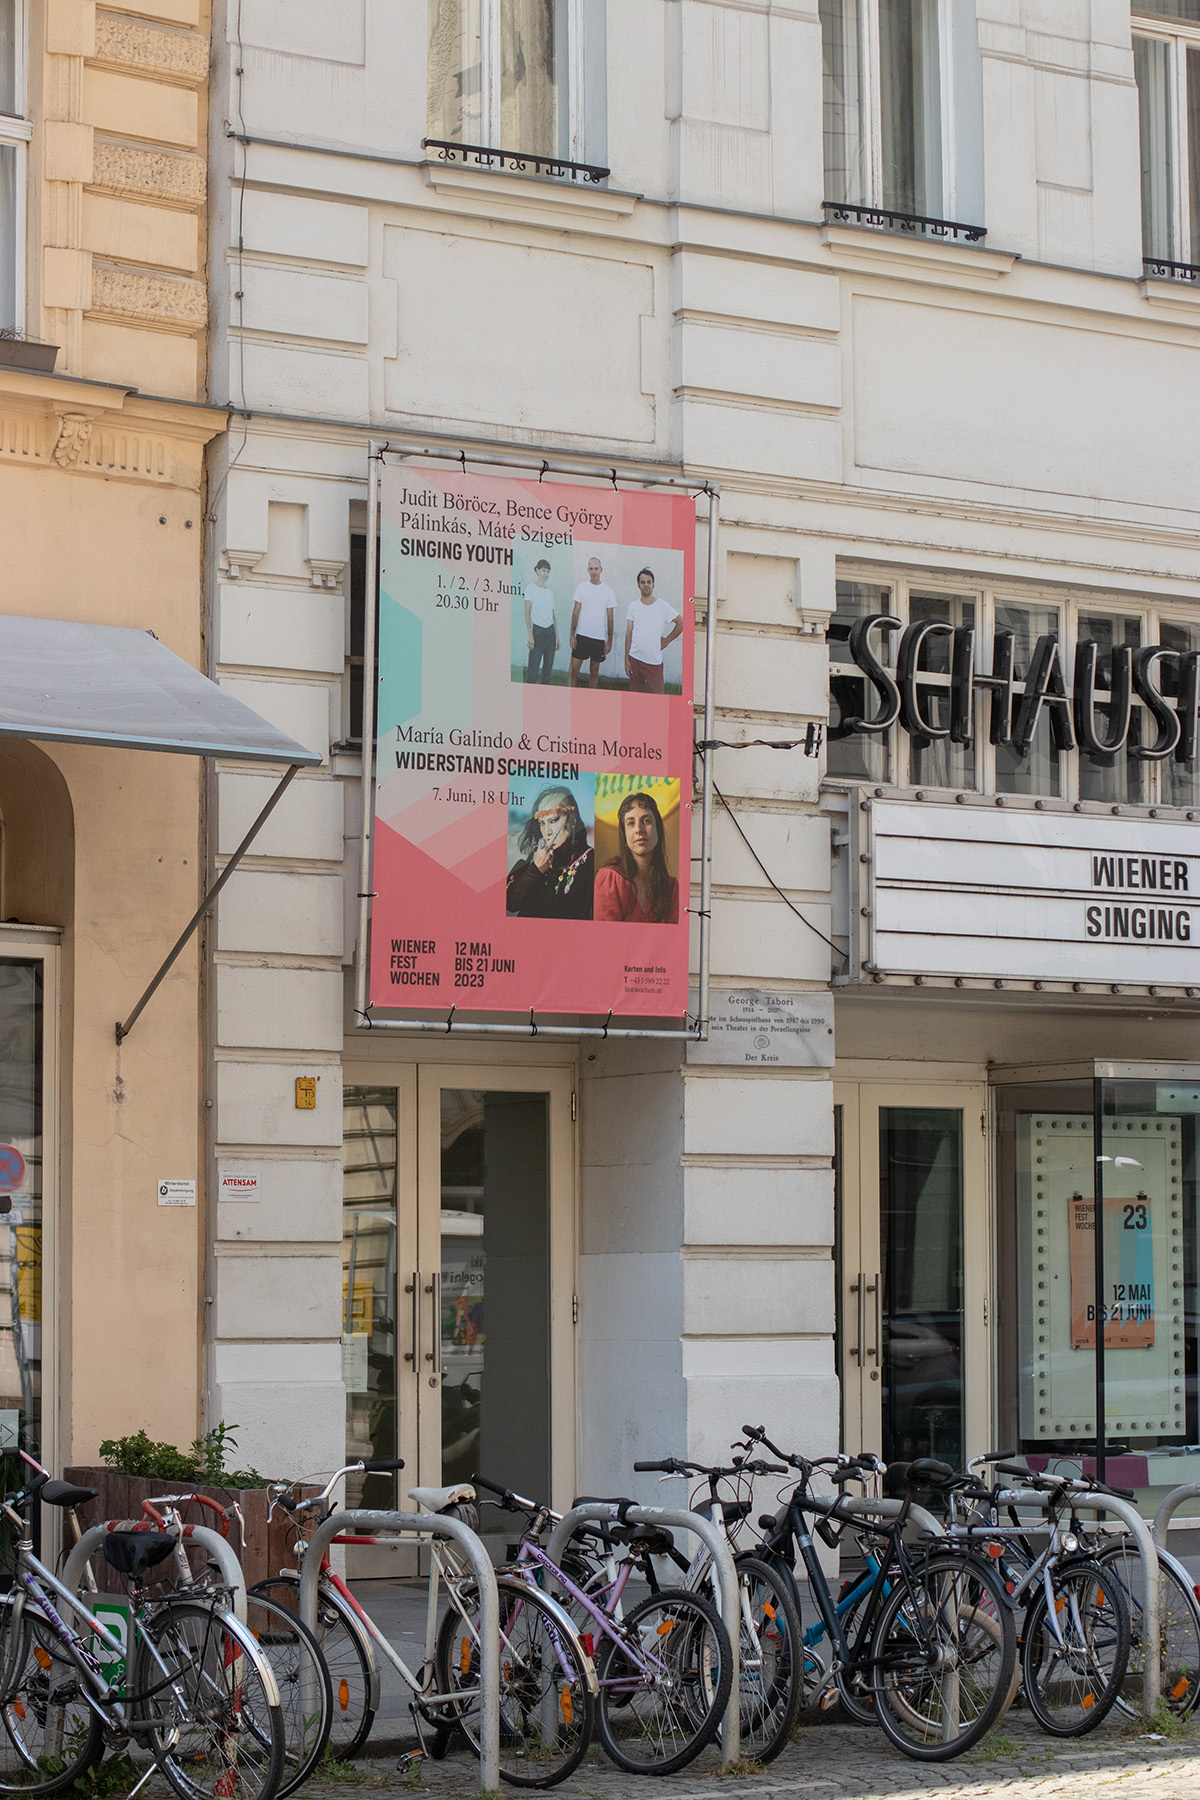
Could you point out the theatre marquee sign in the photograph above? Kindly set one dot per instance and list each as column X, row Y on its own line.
column 1031, row 896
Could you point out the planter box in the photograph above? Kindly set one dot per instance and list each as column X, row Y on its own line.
column 27, row 353
column 268, row 1549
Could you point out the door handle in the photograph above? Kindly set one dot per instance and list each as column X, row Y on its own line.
column 859, row 1287
column 876, row 1288
column 434, row 1356
column 414, row 1288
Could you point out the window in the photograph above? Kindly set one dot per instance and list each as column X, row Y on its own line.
column 14, row 137
column 883, row 105
column 900, row 651
column 498, row 75
column 1167, row 68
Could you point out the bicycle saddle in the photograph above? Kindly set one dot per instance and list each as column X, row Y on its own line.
column 435, row 1500
column 928, row 1471
column 61, row 1493
column 133, row 1552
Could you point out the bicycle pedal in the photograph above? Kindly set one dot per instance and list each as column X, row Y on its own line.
column 410, row 1760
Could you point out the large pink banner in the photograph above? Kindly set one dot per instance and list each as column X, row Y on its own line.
column 533, row 796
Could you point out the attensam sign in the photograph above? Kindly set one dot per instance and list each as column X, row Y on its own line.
column 533, row 787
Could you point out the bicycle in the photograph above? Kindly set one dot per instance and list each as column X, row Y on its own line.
column 933, row 1635
column 189, row 1684
column 546, row 1678
column 663, row 1669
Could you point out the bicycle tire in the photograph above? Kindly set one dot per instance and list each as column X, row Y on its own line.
column 934, row 1710
column 1071, row 1685
column 215, row 1729
column 349, row 1657
column 638, row 1705
column 546, row 1719
column 1179, row 1628
column 305, row 1691
column 770, row 1661
column 41, row 1701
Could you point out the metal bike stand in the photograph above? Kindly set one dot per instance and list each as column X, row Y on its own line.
column 1170, row 1506
column 606, row 1513
column 890, row 1509
column 376, row 1524
column 221, row 1551
column 1124, row 1510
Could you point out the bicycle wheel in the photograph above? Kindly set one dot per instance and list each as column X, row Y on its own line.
column 303, row 1681
column 943, row 1673
column 1073, row 1663
column 547, row 1708
column 1178, row 1633
column 771, row 1661
column 664, row 1689
column 50, row 1734
column 349, row 1657
column 202, row 1684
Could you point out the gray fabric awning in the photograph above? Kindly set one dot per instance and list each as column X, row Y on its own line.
column 69, row 683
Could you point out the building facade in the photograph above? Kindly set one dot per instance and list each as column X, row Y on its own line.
column 102, row 441
column 915, row 287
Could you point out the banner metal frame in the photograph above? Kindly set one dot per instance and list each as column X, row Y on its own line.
column 365, row 1019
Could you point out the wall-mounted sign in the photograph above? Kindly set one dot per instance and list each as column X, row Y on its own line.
column 177, row 1193
column 239, row 1184
column 532, row 843
column 1163, row 683
column 748, row 1027
column 954, row 890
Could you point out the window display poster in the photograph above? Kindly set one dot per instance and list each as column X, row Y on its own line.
column 1129, row 1305
column 532, row 838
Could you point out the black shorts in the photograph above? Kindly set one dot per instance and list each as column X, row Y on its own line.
column 588, row 649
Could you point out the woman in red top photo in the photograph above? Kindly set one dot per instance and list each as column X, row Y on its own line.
column 636, row 887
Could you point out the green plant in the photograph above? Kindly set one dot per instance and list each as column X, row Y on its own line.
column 205, row 1462
column 1163, row 1724
column 116, row 1775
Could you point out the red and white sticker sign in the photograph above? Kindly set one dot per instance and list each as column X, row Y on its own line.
column 239, row 1184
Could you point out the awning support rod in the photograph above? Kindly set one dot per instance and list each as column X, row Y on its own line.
column 124, row 1030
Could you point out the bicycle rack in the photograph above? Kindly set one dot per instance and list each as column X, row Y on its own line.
column 221, row 1551
column 890, row 1509
column 1147, row 1554
column 376, row 1524
column 715, row 1540
column 1170, row 1506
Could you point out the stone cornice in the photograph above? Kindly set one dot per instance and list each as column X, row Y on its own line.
column 56, row 422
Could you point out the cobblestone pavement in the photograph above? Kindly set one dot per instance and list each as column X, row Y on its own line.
column 837, row 1762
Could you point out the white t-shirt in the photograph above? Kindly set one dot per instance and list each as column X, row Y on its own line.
column 593, row 599
column 541, row 603
column 650, row 626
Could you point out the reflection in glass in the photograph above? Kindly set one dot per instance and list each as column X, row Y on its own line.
column 921, row 1234
column 1152, row 71
column 496, row 1288
column 454, row 75
column 531, row 42
column 859, row 755
column 844, row 178
column 1120, row 777
column 8, row 56
column 20, row 1205
column 937, row 762
column 8, row 235
column 910, row 107
column 533, row 45
column 1039, row 772
column 369, row 1288
column 1180, row 782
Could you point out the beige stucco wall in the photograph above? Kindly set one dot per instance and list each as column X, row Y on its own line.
column 101, row 516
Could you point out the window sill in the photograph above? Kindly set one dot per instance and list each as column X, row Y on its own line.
column 870, row 248
column 1167, row 294
column 525, row 193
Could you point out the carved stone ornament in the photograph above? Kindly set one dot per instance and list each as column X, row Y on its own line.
column 324, row 572
column 240, row 562
column 74, row 433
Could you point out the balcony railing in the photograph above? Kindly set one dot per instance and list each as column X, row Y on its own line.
column 1170, row 271
column 839, row 212
column 521, row 162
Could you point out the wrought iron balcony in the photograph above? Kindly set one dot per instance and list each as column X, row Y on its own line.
column 521, row 162
column 1170, row 271
column 840, row 212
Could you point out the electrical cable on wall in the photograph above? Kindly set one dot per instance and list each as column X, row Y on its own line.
column 240, row 137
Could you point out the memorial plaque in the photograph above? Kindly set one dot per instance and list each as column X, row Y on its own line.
column 750, row 1028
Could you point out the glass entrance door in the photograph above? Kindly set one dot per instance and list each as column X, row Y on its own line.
column 912, row 1253
column 458, row 1277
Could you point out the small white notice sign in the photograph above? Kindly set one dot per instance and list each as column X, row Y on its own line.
column 748, row 1027
column 177, row 1193
column 239, row 1184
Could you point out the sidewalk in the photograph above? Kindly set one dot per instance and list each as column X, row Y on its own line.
column 843, row 1762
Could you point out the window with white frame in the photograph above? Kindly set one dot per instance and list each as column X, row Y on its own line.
column 501, row 75
column 1166, row 63
column 14, row 139
column 884, row 127
column 956, row 662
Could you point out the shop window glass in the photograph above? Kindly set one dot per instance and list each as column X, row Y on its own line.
column 20, row 1206
column 369, row 1288
column 939, row 762
column 857, row 755
column 1119, row 777
column 1180, row 781
column 1039, row 771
